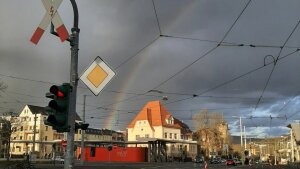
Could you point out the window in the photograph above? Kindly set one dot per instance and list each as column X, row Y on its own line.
column 175, row 136
column 21, row 137
column 46, row 138
column 30, row 128
column 137, row 136
column 93, row 152
column 170, row 135
column 166, row 135
column 147, row 136
column 21, row 128
column 46, row 128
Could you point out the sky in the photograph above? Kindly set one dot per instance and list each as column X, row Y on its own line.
column 236, row 57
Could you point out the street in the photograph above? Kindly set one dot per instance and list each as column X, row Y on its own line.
column 188, row 165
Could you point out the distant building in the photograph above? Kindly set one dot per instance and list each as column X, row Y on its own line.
column 4, row 136
column 294, row 142
column 155, row 122
column 47, row 140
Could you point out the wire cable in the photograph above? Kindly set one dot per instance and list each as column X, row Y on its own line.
column 205, row 54
column 275, row 63
column 156, row 16
column 235, row 78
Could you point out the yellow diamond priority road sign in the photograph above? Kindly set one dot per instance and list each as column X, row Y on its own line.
column 97, row 76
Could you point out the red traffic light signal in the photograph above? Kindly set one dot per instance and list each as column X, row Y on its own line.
column 58, row 107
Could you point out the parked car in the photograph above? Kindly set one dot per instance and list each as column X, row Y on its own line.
column 59, row 159
column 198, row 159
column 230, row 162
column 237, row 161
column 214, row 161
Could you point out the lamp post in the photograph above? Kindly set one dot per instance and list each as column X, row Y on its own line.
column 241, row 132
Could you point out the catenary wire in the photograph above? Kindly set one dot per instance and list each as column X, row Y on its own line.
column 275, row 63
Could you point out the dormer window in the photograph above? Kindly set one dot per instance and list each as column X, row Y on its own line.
column 170, row 120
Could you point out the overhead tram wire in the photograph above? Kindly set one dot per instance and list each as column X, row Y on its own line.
column 210, row 89
column 207, row 53
column 275, row 63
column 138, row 52
column 235, row 78
column 288, row 102
column 156, row 16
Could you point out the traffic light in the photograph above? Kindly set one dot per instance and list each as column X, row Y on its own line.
column 82, row 126
column 109, row 147
column 58, row 107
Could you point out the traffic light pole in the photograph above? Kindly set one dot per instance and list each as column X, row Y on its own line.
column 82, row 133
column 74, row 42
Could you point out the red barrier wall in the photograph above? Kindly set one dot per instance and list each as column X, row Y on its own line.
column 117, row 154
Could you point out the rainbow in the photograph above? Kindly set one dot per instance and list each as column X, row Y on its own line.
column 113, row 115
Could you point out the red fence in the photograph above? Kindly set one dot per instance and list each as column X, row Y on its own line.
column 117, row 154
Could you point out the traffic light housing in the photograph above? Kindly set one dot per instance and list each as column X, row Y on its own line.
column 82, row 126
column 109, row 147
column 58, row 107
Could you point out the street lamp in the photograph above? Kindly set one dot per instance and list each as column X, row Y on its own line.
column 241, row 132
column 241, row 129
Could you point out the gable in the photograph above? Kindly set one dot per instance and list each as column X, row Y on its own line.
column 25, row 112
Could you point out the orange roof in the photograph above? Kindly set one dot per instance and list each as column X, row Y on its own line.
column 156, row 114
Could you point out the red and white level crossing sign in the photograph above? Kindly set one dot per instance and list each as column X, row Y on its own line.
column 51, row 16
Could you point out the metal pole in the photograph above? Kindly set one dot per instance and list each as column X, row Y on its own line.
column 245, row 137
column 82, row 133
column 292, row 146
column 34, row 131
column 241, row 130
column 74, row 43
column 9, row 138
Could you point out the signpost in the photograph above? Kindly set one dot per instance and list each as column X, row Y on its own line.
column 51, row 15
column 97, row 76
column 63, row 143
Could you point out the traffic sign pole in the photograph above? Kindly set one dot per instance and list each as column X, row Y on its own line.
column 52, row 15
column 74, row 42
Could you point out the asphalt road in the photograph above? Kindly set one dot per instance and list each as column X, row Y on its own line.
column 175, row 165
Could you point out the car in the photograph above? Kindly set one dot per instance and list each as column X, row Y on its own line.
column 237, row 161
column 59, row 159
column 230, row 162
column 198, row 159
column 214, row 161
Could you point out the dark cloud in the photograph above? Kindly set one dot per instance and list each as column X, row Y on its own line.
column 126, row 35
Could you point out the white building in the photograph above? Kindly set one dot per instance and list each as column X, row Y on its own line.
column 155, row 122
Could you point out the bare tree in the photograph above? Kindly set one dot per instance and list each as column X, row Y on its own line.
column 205, row 119
column 209, row 134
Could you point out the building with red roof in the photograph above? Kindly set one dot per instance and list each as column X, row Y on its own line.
column 155, row 122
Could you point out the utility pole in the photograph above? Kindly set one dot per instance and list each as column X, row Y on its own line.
column 292, row 146
column 245, row 137
column 74, row 43
column 9, row 138
column 34, row 131
column 241, row 130
column 242, row 152
column 82, row 132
